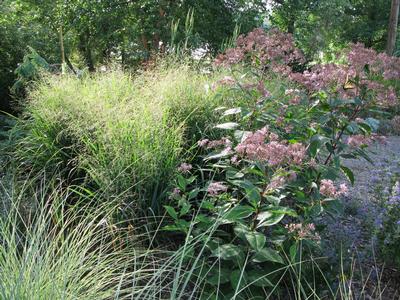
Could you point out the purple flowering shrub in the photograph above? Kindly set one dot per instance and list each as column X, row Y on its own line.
column 261, row 186
column 388, row 235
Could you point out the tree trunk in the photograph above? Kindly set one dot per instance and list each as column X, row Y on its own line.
column 61, row 38
column 394, row 17
column 290, row 28
column 84, row 48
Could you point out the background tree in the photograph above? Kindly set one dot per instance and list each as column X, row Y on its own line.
column 324, row 25
column 393, row 21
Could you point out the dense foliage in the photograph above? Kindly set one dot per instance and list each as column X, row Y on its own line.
column 169, row 150
column 86, row 33
column 265, row 183
column 322, row 25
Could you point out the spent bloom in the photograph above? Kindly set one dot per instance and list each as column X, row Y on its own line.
column 273, row 47
column 328, row 189
column 275, row 152
column 306, row 231
column 226, row 81
column 394, row 199
column 359, row 140
column 185, row 168
column 276, row 183
column 215, row 188
column 207, row 144
column 176, row 192
column 203, row 143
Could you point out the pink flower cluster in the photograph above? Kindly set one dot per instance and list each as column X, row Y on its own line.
column 215, row 188
column 272, row 47
column 328, row 189
column 322, row 77
column 185, row 168
column 378, row 63
column 275, row 152
column 276, row 183
column 359, row 140
column 212, row 144
column 362, row 63
column 303, row 231
column 277, row 52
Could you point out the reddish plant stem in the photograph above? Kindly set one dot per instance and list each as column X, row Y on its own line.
column 335, row 144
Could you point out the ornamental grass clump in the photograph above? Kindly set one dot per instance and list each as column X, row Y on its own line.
column 270, row 176
column 49, row 250
column 115, row 133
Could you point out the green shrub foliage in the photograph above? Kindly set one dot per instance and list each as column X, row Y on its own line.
column 263, row 185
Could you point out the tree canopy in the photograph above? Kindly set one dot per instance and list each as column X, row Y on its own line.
column 91, row 32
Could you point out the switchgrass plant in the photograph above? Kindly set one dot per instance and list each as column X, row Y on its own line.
column 115, row 132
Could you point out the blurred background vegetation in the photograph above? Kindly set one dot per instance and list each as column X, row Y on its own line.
column 86, row 34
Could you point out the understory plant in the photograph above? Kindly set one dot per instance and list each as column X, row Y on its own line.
column 388, row 232
column 270, row 176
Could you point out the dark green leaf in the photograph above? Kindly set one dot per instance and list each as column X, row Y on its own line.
column 252, row 193
column 227, row 252
column 349, row 174
column 256, row 240
column 236, row 278
column 171, row 211
column 268, row 254
column 239, row 212
column 259, row 278
column 219, row 276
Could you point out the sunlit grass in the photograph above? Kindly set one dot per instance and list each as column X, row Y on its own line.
column 116, row 133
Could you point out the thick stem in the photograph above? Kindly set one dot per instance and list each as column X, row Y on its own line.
column 392, row 30
column 61, row 39
column 335, row 143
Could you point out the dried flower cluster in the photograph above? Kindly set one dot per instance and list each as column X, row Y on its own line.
column 328, row 189
column 185, row 168
column 364, row 66
column 212, row 144
column 306, row 231
column 277, row 53
column 274, row 152
column 358, row 140
column 395, row 123
column 215, row 188
column 276, row 183
column 274, row 48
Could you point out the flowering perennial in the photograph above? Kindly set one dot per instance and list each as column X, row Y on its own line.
column 273, row 47
column 215, row 188
column 185, row 168
column 274, row 152
column 306, row 231
column 328, row 189
column 277, row 53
